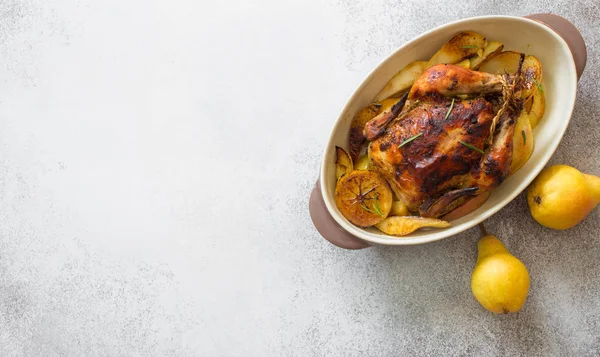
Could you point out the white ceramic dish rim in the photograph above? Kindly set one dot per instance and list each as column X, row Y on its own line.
column 435, row 235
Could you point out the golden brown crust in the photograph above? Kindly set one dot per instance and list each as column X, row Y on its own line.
column 436, row 160
column 447, row 80
column 450, row 157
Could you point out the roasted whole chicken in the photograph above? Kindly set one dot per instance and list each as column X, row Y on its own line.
column 448, row 139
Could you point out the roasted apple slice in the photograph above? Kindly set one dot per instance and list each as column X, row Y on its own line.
column 363, row 197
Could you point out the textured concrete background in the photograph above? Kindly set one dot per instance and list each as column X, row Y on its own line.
column 156, row 159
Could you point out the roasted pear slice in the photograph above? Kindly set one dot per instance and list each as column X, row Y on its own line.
column 491, row 49
column 399, row 209
column 527, row 104
column 356, row 137
column 503, row 62
column 403, row 225
column 532, row 76
column 536, row 107
column 387, row 104
column 402, row 81
column 363, row 163
column 363, row 197
column 343, row 163
column 522, row 142
column 464, row 63
column 508, row 62
column 462, row 45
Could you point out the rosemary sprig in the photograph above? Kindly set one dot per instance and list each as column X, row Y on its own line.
column 469, row 46
column 376, row 208
column 524, row 137
column 409, row 140
column 539, row 86
column 472, row 147
column 449, row 110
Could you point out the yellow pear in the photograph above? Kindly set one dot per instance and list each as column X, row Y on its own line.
column 500, row 282
column 561, row 196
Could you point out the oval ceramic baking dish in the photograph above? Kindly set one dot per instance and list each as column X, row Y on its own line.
column 561, row 50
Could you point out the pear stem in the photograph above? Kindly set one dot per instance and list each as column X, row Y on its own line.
column 483, row 230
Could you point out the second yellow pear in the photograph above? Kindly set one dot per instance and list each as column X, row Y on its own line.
column 500, row 281
column 561, row 196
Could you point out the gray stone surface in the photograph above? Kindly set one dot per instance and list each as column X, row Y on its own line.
column 156, row 161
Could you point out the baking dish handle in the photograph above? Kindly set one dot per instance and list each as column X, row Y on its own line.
column 565, row 29
column 327, row 226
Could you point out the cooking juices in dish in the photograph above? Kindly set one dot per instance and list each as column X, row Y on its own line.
column 440, row 136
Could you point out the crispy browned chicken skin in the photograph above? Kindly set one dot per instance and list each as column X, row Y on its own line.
column 454, row 113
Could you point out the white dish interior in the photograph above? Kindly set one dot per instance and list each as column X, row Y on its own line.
column 518, row 34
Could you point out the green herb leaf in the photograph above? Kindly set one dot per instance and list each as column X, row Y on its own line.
column 524, row 137
column 376, row 208
column 539, row 86
column 409, row 140
column 472, row 147
column 469, row 46
column 364, row 206
column 449, row 110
